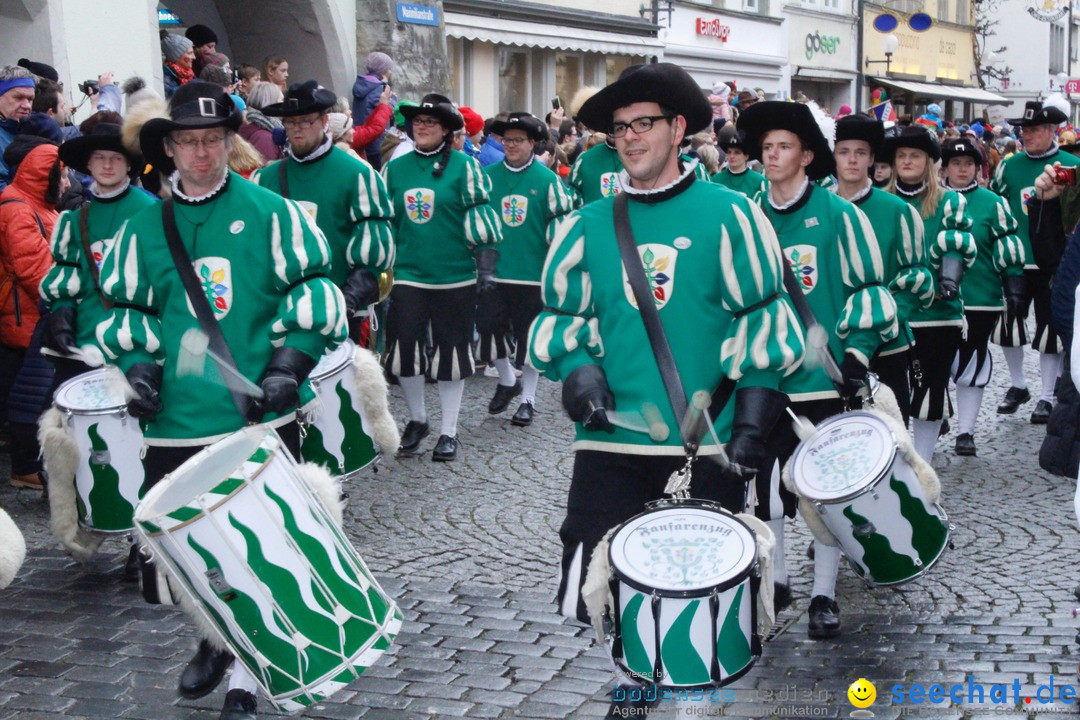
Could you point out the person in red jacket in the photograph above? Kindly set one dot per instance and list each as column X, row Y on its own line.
column 27, row 215
column 375, row 125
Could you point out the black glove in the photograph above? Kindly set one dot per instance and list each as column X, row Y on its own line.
column 587, row 397
column 485, row 269
column 361, row 289
column 1015, row 287
column 853, row 373
column 280, row 383
column 59, row 332
column 756, row 411
column 950, row 275
column 145, row 380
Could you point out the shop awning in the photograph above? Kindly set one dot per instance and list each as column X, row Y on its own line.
column 500, row 31
column 945, row 92
column 821, row 74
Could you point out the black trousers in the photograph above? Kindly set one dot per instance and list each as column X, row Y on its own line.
column 509, row 309
column 449, row 313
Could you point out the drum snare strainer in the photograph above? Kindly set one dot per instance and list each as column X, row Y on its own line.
column 683, row 585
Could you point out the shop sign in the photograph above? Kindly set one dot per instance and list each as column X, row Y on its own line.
column 712, row 28
column 1048, row 10
column 818, row 43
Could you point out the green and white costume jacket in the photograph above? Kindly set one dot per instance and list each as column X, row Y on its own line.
column 947, row 232
column 715, row 270
column 899, row 232
column 840, row 267
column 1015, row 181
column 527, row 200
column 347, row 199
column 263, row 265
column 69, row 282
column 595, row 174
column 750, row 183
column 439, row 222
column 1000, row 251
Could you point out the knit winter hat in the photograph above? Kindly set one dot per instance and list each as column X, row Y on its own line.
column 200, row 35
column 174, row 46
column 339, row 124
column 721, row 88
column 474, row 123
column 378, row 62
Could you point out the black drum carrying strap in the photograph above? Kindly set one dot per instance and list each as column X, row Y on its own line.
column 209, row 325
column 283, row 177
column 95, row 273
column 665, row 361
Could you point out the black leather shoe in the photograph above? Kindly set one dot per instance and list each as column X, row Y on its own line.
column 445, row 449
column 204, row 671
column 413, row 434
column 781, row 597
column 810, row 550
column 1014, row 398
column 524, row 415
column 824, row 618
column 503, row 395
column 632, row 702
column 1041, row 414
column 239, row 705
column 965, row 444
column 131, row 567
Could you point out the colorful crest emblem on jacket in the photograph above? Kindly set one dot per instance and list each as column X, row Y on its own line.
column 215, row 276
column 420, row 205
column 515, row 208
column 1025, row 197
column 658, row 261
column 97, row 252
column 803, row 260
column 609, row 184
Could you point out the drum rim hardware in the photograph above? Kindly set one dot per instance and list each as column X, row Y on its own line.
column 862, row 489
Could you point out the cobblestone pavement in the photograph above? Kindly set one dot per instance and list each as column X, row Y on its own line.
column 470, row 552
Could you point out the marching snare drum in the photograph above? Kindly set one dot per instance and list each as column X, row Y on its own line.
column 684, row 583
column 870, row 498
column 337, row 433
column 266, row 565
column 109, row 478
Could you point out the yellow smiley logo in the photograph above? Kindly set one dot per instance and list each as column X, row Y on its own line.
column 862, row 693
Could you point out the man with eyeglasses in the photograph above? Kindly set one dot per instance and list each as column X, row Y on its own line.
column 345, row 197
column 713, row 267
column 529, row 199
column 1015, row 181
column 263, row 267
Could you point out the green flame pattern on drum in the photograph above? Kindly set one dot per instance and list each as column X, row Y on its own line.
column 110, row 510
column 357, row 450
column 732, row 645
column 682, row 663
column 637, row 658
column 883, row 563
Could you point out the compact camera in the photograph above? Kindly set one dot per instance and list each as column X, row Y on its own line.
column 1065, row 176
column 90, row 87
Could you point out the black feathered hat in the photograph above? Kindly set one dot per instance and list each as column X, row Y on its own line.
column 765, row 116
column 662, row 83
column 197, row 105
column 76, row 152
column 528, row 122
column 438, row 106
column 919, row 137
column 302, row 99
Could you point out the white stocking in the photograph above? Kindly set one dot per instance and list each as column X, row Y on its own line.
column 450, row 392
column 826, row 565
column 924, row 434
column 413, row 390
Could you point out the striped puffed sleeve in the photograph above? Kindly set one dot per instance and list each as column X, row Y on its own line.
column 913, row 285
column 764, row 341
column 372, row 211
column 566, row 334
column 69, row 277
column 311, row 313
column 954, row 236
column 482, row 224
column 560, row 202
column 868, row 318
column 575, row 181
column 1009, row 256
column 998, row 183
column 131, row 332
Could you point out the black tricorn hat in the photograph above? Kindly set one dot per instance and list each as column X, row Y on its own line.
column 40, row 69
column 438, row 106
column 528, row 122
column 733, row 139
column 960, row 147
column 763, row 117
column 302, row 99
column 1037, row 114
column 662, row 83
column 860, row 127
column 76, row 152
column 195, row 106
column 919, row 137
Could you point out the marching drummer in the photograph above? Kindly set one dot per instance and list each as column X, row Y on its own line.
column 262, row 269
column 529, row 199
column 72, row 288
column 344, row 195
column 716, row 284
column 838, row 266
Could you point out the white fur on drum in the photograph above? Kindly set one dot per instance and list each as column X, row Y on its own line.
column 60, row 455
column 372, row 391
column 12, row 549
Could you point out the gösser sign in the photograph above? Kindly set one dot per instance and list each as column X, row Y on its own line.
column 818, row 43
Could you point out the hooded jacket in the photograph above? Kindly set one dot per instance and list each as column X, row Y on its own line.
column 24, row 250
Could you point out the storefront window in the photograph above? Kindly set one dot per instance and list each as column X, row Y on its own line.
column 513, row 78
column 616, row 64
column 568, row 75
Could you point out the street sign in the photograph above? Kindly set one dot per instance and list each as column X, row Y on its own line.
column 417, row 14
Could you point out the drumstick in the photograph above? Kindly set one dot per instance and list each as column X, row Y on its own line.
column 818, row 339
column 195, row 348
column 658, row 429
column 803, row 427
